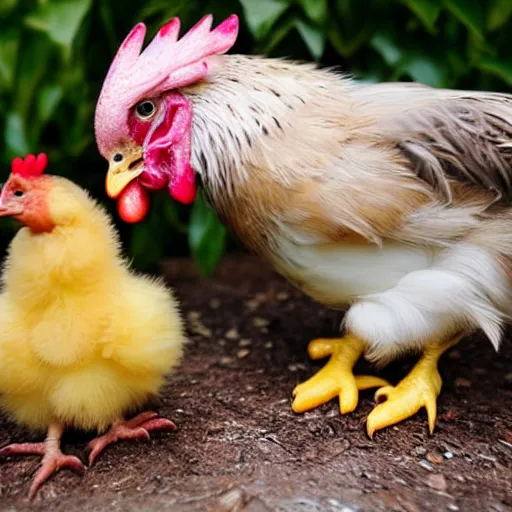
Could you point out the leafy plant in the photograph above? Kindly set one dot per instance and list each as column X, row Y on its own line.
column 54, row 55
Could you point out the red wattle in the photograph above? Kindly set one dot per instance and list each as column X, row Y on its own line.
column 133, row 203
column 183, row 188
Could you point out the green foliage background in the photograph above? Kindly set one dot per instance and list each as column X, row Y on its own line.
column 54, row 55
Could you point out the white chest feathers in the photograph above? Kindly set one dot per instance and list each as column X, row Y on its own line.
column 336, row 274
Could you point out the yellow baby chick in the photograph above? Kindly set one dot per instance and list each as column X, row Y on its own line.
column 84, row 341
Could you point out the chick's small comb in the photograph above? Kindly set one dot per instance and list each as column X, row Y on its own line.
column 30, row 167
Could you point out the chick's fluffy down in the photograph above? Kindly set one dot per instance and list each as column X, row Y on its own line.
column 77, row 350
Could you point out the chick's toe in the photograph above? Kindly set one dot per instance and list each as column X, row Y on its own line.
column 53, row 458
column 135, row 429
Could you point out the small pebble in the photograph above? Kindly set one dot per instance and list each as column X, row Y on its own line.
column 282, row 296
column 244, row 342
column 453, row 507
column 268, row 344
column 231, row 500
column 201, row 330
column 419, row 451
column 193, row 315
column 226, row 360
column 461, row 382
column 222, row 342
column 233, row 334
column 426, row 465
column 215, row 303
column 242, row 353
column 448, row 455
column 434, row 458
column 252, row 304
column 292, row 367
column 437, row 482
column 259, row 322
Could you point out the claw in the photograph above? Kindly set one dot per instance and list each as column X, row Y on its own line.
column 419, row 389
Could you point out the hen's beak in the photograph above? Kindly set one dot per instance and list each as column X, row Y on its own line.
column 123, row 169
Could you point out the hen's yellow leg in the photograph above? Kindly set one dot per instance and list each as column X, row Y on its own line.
column 336, row 377
column 419, row 389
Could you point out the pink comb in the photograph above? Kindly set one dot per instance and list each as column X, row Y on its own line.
column 166, row 63
column 30, row 167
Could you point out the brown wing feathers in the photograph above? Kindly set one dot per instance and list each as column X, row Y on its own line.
column 468, row 140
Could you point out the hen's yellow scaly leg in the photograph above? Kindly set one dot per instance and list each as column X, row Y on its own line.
column 336, row 377
column 420, row 388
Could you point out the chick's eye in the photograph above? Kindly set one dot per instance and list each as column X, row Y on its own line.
column 18, row 193
column 145, row 109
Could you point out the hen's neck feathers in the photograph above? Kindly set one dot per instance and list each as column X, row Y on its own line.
column 242, row 118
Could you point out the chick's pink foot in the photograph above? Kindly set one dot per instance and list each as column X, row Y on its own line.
column 135, row 429
column 53, row 459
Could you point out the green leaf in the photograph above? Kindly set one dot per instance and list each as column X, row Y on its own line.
column 426, row 70
column 145, row 248
column 498, row 67
column 313, row 37
column 33, row 63
column 260, row 15
column 384, row 44
column 60, row 20
column 315, row 10
column 277, row 36
column 427, row 11
column 349, row 28
column 470, row 13
column 499, row 12
column 47, row 101
column 15, row 136
column 172, row 217
column 6, row 6
column 207, row 236
column 9, row 43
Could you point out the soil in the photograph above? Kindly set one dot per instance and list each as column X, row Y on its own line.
column 239, row 446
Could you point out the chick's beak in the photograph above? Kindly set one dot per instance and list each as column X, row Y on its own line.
column 123, row 168
column 10, row 210
column 7, row 209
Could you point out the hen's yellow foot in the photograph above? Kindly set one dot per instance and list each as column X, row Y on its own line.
column 420, row 388
column 336, row 377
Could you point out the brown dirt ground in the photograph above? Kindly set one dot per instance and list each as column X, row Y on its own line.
column 239, row 446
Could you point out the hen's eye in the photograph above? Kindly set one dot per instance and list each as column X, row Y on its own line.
column 18, row 193
column 145, row 109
